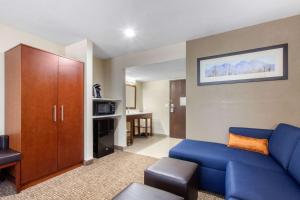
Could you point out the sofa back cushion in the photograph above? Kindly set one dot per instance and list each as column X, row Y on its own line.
column 252, row 132
column 294, row 166
column 283, row 142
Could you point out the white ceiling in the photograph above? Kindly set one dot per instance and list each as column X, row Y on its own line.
column 170, row 70
column 157, row 22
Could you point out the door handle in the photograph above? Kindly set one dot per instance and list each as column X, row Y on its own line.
column 62, row 112
column 54, row 113
column 172, row 107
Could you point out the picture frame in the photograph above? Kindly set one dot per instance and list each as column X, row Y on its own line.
column 130, row 96
column 260, row 64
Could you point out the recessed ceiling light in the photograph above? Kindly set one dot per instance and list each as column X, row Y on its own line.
column 129, row 32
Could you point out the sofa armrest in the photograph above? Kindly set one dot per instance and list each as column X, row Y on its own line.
column 252, row 132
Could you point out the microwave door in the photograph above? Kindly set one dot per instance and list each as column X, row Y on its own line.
column 104, row 108
column 101, row 108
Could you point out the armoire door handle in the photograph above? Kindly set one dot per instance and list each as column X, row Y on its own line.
column 54, row 113
column 62, row 112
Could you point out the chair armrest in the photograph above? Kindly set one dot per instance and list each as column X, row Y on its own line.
column 252, row 132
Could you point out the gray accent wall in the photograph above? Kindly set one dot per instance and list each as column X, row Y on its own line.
column 211, row 110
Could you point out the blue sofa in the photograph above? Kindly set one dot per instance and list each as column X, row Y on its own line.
column 246, row 175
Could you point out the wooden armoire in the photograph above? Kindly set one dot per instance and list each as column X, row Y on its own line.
column 43, row 111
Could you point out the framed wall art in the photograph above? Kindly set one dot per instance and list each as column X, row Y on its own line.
column 262, row 64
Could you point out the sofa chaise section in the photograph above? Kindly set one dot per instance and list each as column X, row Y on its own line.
column 249, row 182
column 213, row 158
column 246, row 182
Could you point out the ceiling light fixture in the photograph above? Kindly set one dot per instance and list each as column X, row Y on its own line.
column 129, row 33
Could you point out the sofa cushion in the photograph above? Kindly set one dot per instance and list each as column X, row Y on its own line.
column 283, row 142
column 248, row 143
column 294, row 166
column 9, row 156
column 255, row 183
column 216, row 156
column 252, row 132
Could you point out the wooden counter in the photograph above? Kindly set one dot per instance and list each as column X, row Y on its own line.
column 131, row 117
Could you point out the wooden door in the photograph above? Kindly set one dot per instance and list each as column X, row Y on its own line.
column 70, row 124
column 39, row 101
column 177, row 109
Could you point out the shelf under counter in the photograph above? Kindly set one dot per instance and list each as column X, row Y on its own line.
column 106, row 116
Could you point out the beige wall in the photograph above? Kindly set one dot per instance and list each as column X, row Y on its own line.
column 83, row 51
column 11, row 37
column 156, row 96
column 211, row 110
column 99, row 74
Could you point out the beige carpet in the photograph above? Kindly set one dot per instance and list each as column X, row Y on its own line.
column 101, row 180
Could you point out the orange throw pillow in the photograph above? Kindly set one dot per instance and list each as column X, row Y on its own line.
column 248, row 143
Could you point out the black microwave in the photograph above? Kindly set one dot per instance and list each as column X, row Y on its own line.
column 104, row 108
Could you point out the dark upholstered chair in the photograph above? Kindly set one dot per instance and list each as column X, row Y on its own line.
column 9, row 158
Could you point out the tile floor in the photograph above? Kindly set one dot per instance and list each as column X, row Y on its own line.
column 157, row 146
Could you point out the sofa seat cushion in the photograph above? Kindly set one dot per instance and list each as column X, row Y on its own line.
column 9, row 156
column 255, row 183
column 216, row 156
column 283, row 142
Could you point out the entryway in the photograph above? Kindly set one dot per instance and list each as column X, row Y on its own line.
column 155, row 107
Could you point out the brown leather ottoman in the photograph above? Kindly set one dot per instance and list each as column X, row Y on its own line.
column 137, row 191
column 175, row 176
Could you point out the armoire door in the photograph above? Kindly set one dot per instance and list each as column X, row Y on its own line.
column 70, row 102
column 39, row 106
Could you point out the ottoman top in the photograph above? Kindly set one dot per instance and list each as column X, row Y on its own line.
column 178, row 170
column 137, row 191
